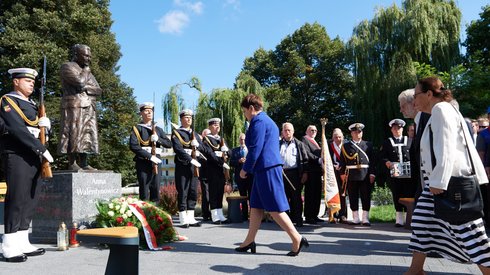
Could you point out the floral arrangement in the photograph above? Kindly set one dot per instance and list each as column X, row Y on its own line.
column 121, row 212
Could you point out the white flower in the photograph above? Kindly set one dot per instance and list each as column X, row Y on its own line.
column 110, row 213
column 124, row 206
column 124, row 216
column 111, row 205
column 117, row 207
column 129, row 213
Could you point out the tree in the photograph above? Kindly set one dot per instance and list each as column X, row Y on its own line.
column 30, row 29
column 383, row 52
column 305, row 78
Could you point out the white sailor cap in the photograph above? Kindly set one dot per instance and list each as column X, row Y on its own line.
column 186, row 112
column 214, row 120
column 146, row 105
column 356, row 127
column 398, row 122
column 23, row 73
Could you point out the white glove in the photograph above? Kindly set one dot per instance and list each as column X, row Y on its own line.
column 45, row 122
column 320, row 161
column 154, row 138
column 195, row 163
column 155, row 160
column 224, row 148
column 226, row 166
column 195, row 143
column 48, row 156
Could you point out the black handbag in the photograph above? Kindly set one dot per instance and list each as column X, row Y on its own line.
column 462, row 202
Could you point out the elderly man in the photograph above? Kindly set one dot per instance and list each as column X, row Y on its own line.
column 238, row 158
column 313, row 186
column 335, row 149
column 295, row 167
column 78, row 131
column 357, row 169
column 21, row 153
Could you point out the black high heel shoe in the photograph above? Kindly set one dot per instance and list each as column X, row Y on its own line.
column 304, row 242
column 252, row 246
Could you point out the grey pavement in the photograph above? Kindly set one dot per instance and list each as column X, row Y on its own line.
column 334, row 249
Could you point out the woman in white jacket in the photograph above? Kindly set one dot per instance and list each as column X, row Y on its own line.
column 463, row 243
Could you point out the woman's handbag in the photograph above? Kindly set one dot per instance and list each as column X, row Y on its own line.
column 462, row 201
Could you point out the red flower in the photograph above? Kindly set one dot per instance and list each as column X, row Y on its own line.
column 159, row 219
column 119, row 219
column 129, row 224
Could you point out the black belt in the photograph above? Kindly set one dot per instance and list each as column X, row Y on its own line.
column 290, row 169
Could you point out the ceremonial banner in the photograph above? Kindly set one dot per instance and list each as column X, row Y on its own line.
column 330, row 187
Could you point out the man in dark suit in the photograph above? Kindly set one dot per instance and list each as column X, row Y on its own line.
column 313, row 186
column 335, row 149
column 356, row 158
column 295, row 166
column 238, row 157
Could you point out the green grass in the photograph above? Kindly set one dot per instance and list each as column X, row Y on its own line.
column 382, row 214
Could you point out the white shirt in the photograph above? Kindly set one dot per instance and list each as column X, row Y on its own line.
column 449, row 148
column 289, row 154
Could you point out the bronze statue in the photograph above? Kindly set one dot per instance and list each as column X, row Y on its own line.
column 78, row 137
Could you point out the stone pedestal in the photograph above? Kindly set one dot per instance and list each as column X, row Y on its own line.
column 70, row 197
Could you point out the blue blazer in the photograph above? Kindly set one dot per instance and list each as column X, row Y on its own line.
column 262, row 140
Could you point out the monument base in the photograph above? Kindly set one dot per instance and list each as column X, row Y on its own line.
column 70, row 196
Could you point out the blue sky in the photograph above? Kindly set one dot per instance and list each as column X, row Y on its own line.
column 167, row 42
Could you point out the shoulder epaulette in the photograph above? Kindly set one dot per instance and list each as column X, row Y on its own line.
column 185, row 143
column 138, row 136
column 32, row 123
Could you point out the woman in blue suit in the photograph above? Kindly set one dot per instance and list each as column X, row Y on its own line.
column 264, row 162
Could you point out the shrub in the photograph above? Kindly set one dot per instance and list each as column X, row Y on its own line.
column 168, row 199
column 382, row 196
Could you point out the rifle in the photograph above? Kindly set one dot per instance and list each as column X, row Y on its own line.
column 154, row 144
column 226, row 172
column 194, row 149
column 46, row 172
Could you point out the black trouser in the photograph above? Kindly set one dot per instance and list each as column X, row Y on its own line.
column 401, row 188
column 149, row 183
column 359, row 188
column 313, row 194
column 216, row 186
column 186, row 185
column 294, row 196
column 21, row 175
column 205, row 198
column 343, row 195
column 245, row 189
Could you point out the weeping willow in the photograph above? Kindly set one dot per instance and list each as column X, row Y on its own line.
column 383, row 52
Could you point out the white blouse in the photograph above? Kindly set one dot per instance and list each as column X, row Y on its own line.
column 449, row 147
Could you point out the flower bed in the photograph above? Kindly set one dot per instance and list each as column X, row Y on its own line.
column 154, row 225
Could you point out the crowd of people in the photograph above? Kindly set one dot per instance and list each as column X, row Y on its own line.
column 272, row 168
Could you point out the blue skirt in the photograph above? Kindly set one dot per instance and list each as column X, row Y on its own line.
column 268, row 190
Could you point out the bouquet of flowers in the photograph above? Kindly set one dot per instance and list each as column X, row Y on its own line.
column 154, row 225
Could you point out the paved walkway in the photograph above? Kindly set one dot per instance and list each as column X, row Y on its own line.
column 334, row 249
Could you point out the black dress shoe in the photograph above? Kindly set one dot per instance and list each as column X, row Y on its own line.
column 318, row 220
column 184, row 225
column 37, row 252
column 304, row 242
column 205, row 219
column 197, row 224
column 398, row 225
column 366, row 224
column 217, row 222
column 252, row 246
column 310, row 221
column 17, row 259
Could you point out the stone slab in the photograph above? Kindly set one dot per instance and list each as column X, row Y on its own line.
column 70, row 196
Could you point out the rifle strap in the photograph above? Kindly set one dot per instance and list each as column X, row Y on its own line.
column 12, row 103
column 138, row 136
column 185, row 143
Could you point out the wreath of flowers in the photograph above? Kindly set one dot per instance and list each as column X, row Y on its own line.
column 117, row 212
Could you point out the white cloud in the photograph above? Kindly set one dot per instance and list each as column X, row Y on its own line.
column 196, row 7
column 235, row 4
column 173, row 22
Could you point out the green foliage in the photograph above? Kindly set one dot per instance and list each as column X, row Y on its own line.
column 382, row 214
column 383, row 50
column 382, row 196
column 304, row 79
column 30, row 29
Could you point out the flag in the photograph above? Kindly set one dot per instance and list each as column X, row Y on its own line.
column 330, row 186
